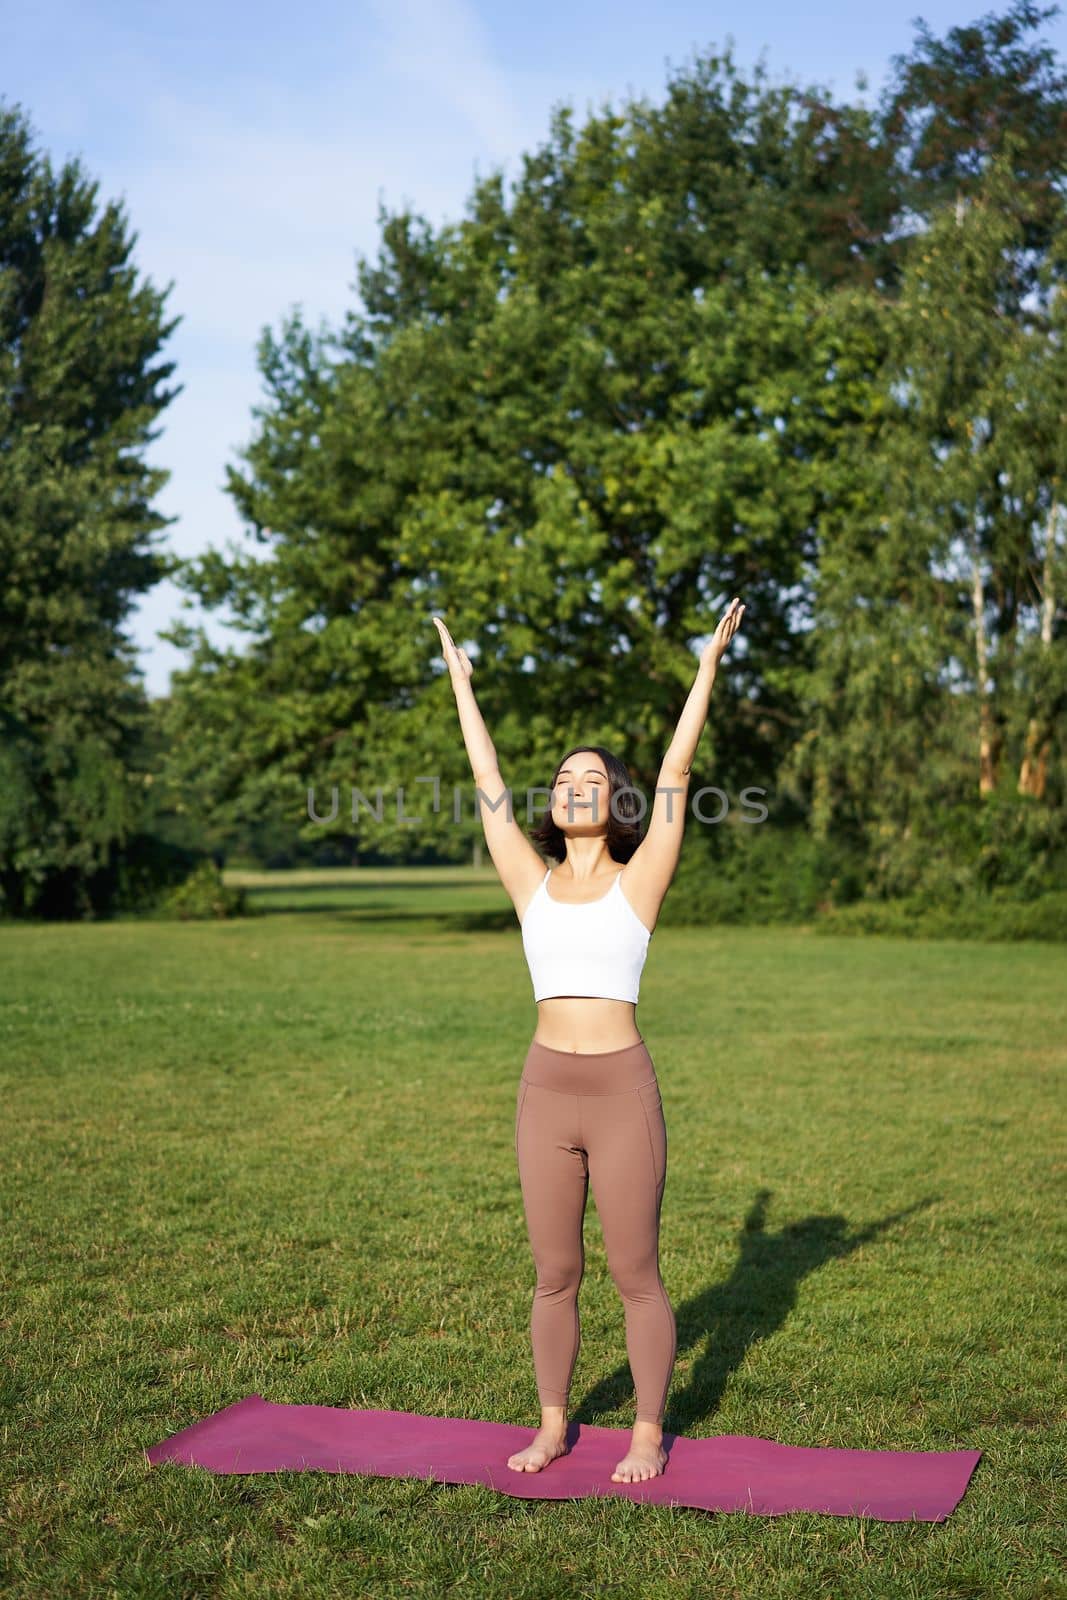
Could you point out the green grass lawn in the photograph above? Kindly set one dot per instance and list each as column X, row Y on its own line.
column 276, row 1156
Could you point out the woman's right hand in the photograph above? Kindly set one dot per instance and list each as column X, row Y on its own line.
column 458, row 661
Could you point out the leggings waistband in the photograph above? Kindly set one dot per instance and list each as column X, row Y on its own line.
column 588, row 1072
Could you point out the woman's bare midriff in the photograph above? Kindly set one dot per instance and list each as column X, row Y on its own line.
column 585, row 1025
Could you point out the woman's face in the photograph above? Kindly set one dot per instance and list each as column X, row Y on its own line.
column 581, row 794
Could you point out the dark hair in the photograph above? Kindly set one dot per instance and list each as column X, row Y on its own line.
column 624, row 825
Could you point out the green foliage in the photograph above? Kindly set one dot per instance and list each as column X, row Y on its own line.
column 772, row 871
column 1001, row 843
column 141, row 872
column 993, row 874
column 69, row 782
column 973, row 916
column 204, row 896
column 78, row 395
column 552, row 424
column 695, row 352
column 952, row 104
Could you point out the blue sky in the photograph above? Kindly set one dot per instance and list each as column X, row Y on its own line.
column 251, row 145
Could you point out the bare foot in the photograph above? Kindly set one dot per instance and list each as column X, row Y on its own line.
column 544, row 1447
column 640, row 1461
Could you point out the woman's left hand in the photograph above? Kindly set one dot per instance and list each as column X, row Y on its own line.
column 714, row 650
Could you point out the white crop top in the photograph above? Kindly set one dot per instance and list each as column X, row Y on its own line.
column 597, row 948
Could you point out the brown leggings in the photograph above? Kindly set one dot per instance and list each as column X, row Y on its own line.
column 599, row 1117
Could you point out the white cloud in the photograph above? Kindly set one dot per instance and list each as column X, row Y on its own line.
column 441, row 47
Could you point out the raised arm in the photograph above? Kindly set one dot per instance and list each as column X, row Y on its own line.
column 683, row 747
column 481, row 750
column 653, row 863
column 515, row 859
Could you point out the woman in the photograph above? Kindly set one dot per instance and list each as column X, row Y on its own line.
column 588, row 1103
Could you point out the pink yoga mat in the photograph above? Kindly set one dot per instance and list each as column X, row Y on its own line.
column 729, row 1473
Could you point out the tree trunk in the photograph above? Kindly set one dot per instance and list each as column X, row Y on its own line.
column 988, row 740
column 1034, row 769
column 476, row 853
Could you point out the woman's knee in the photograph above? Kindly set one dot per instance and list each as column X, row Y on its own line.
column 636, row 1272
column 556, row 1274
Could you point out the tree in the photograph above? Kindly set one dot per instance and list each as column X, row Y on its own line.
column 964, row 456
column 925, row 665
column 1042, row 662
column 78, row 392
column 574, row 423
column 732, row 343
column 985, row 91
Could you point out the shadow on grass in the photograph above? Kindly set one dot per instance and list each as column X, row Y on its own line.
column 726, row 1319
column 370, row 909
